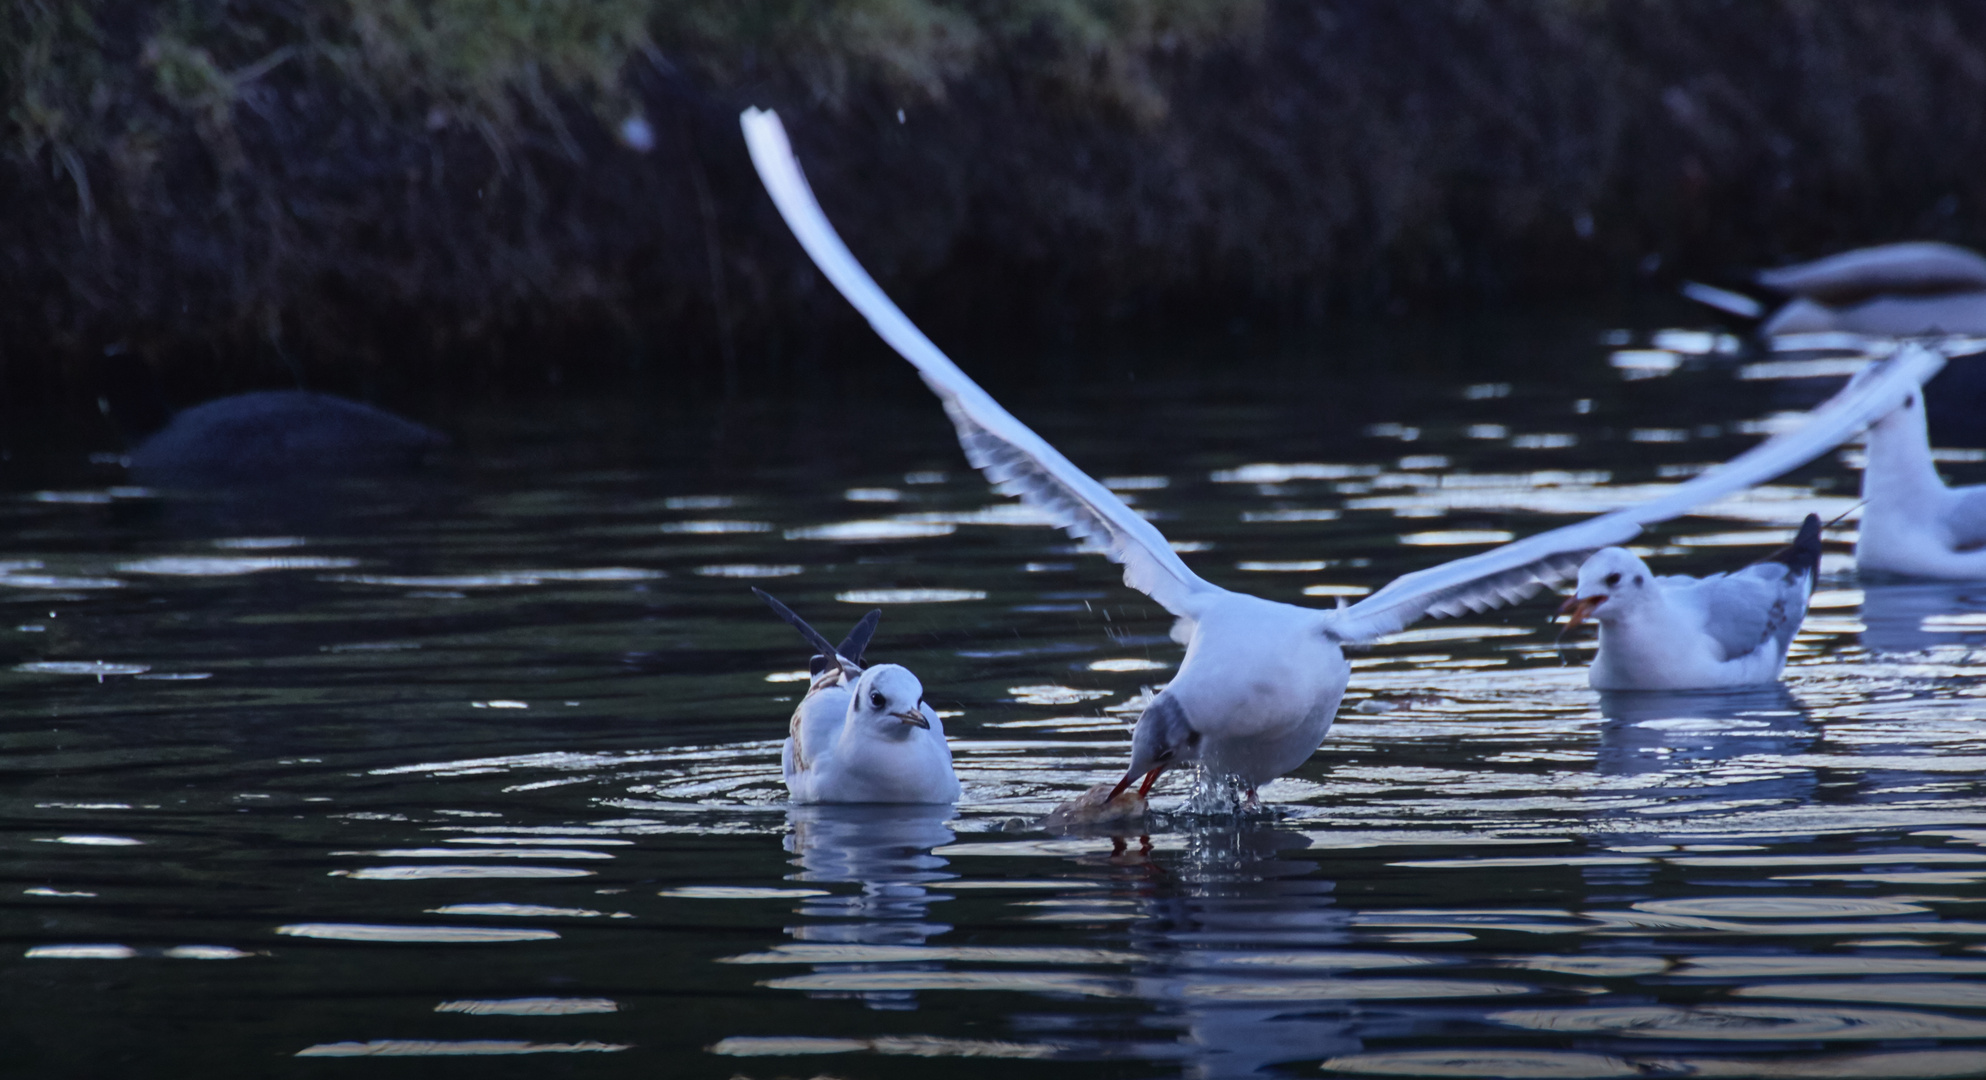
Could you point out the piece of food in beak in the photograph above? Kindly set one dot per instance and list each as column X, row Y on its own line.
column 1580, row 608
column 913, row 717
column 1097, row 806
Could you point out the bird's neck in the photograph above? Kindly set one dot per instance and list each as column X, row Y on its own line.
column 1899, row 466
column 856, row 731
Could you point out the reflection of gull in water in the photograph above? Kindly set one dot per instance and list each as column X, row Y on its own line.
column 1921, row 616
column 1247, row 938
column 1685, row 633
column 862, row 736
column 1650, row 731
column 887, row 851
column 1261, row 681
column 1700, row 752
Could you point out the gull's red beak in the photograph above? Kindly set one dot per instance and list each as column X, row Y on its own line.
column 1150, row 779
column 1580, row 608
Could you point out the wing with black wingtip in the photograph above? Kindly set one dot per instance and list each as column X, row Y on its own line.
column 1514, row 571
column 1014, row 458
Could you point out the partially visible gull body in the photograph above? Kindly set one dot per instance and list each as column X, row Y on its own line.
column 862, row 736
column 1913, row 525
column 1915, row 289
column 1684, row 633
column 1261, row 680
column 1892, row 290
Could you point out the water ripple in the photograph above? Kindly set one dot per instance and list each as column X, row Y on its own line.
column 1745, row 1023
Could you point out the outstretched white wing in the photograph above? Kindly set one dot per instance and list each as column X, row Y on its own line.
column 1016, row 460
column 1516, row 570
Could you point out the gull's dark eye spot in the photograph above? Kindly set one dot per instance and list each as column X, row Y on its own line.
column 1910, row 402
column 1613, row 580
column 876, row 698
column 1637, row 579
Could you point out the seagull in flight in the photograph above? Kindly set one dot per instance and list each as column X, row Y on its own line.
column 1915, row 526
column 1684, row 633
column 862, row 736
column 1261, row 680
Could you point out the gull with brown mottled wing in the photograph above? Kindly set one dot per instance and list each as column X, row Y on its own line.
column 862, row 735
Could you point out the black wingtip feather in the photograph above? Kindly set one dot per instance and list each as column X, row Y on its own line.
column 857, row 642
column 813, row 636
column 1803, row 555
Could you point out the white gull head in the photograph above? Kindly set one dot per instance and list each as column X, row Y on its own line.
column 1905, row 419
column 1612, row 585
column 888, row 703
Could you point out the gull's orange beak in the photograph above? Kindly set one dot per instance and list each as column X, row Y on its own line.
column 913, row 717
column 1579, row 608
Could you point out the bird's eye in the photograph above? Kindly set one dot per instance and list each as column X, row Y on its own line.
column 1637, row 579
column 1613, row 580
column 876, row 698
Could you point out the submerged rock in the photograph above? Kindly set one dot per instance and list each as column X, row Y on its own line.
column 272, row 434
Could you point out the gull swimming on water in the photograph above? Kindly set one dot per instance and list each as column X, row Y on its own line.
column 1913, row 525
column 1685, row 633
column 1890, row 290
column 862, row 736
column 1261, row 680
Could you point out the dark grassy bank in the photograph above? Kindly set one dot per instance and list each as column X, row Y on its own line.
column 373, row 190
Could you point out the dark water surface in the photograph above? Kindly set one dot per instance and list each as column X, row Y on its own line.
column 477, row 774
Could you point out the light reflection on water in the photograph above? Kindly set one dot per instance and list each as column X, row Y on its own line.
column 486, row 766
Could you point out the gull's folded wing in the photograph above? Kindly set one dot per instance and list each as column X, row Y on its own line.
column 1015, row 459
column 1516, row 570
column 1745, row 610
